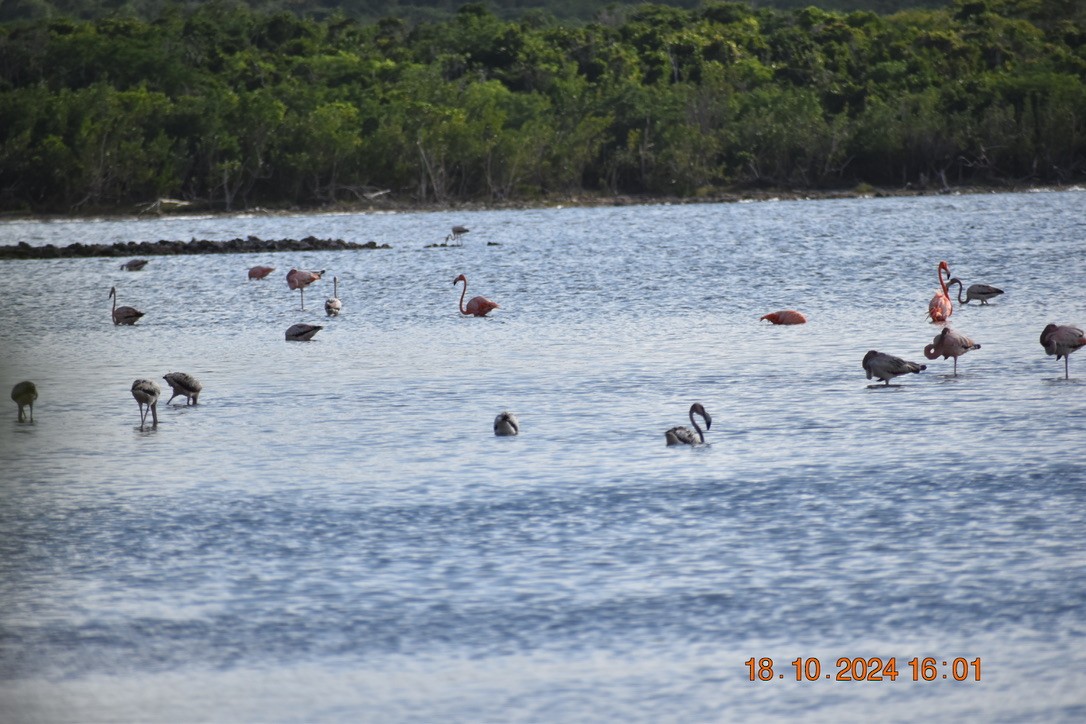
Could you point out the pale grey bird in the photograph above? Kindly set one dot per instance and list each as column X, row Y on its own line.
column 1062, row 340
column 684, row 435
column 980, row 292
column 949, row 343
column 123, row 315
column 302, row 332
column 24, row 395
column 887, row 366
column 185, row 385
column 506, row 423
column 333, row 306
column 457, row 232
column 146, row 393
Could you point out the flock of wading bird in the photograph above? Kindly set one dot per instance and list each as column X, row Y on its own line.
column 1058, row 340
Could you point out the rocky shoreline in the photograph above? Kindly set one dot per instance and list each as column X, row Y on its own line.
column 251, row 244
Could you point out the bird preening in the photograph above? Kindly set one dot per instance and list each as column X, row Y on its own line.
column 506, row 423
column 940, row 307
column 477, row 306
column 185, row 385
column 333, row 306
column 980, row 292
column 949, row 343
column 785, row 316
column 682, row 435
column 887, row 366
column 123, row 315
column 300, row 279
column 1062, row 340
column 146, row 394
column 24, row 395
column 302, row 332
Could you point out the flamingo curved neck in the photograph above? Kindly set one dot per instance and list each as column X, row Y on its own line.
column 942, row 282
column 697, row 428
column 463, row 309
column 960, row 300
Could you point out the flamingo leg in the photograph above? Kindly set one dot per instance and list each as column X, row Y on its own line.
column 955, row 366
column 1066, row 370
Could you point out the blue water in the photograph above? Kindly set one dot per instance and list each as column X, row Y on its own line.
column 334, row 533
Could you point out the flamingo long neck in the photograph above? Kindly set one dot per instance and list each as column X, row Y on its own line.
column 701, row 435
column 942, row 282
column 463, row 309
column 113, row 294
column 960, row 300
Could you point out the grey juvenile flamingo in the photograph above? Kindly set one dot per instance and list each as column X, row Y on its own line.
column 1062, row 340
column 506, row 423
column 887, row 366
column 185, row 385
column 146, row 393
column 949, row 343
column 333, row 306
column 24, row 395
column 980, row 292
column 123, row 315
column 684, row 435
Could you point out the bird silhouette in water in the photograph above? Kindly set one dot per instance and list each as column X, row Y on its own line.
column 682, row 435
column 887, row 366
column 477, row 306
column 146, row 393
column 123, row 315
column 506, row 423
column 785, row 316
column 300, row 279
column 1062, row 340
column 979, row 292
column 185, row 385
column 940, row 307
column 949, row 343
column 24, row 395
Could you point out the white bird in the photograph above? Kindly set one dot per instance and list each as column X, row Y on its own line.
column 333, row 306
column 123, row 315
column 887, row 366
column 684, row 435
column 183, row 384
column 981, row 292
column 24, row 395
column 146, row 393
column 506, row 423
column 1062, row 340
column 302, row 332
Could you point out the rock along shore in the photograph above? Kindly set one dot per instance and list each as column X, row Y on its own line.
column 251, row 244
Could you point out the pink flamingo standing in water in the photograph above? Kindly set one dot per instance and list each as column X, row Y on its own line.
column 477, row 306
column 1062, row 340
column 949, row 343
column 299, row 279
column 940, row 307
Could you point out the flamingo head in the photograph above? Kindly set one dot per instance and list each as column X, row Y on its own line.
column 112, row 292
column 1048, row 330
column 697, row 409
column 460, row 278
column 952, row 281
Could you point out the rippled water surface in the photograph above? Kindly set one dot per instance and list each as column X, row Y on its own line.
column 334, row 533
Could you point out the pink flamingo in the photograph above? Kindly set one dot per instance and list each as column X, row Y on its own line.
column 299, row 279
column 123, row 315
column 477, row 306
column 785, row 316
column 1061, row 341
column 259, row 272
column 949, row 343
column 940, row 307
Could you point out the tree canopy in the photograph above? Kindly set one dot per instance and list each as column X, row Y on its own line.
column 233, row 107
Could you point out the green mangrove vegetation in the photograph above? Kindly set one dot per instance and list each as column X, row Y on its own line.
column 228, row 107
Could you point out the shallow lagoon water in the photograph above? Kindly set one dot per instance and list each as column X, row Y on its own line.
column 335, row 534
